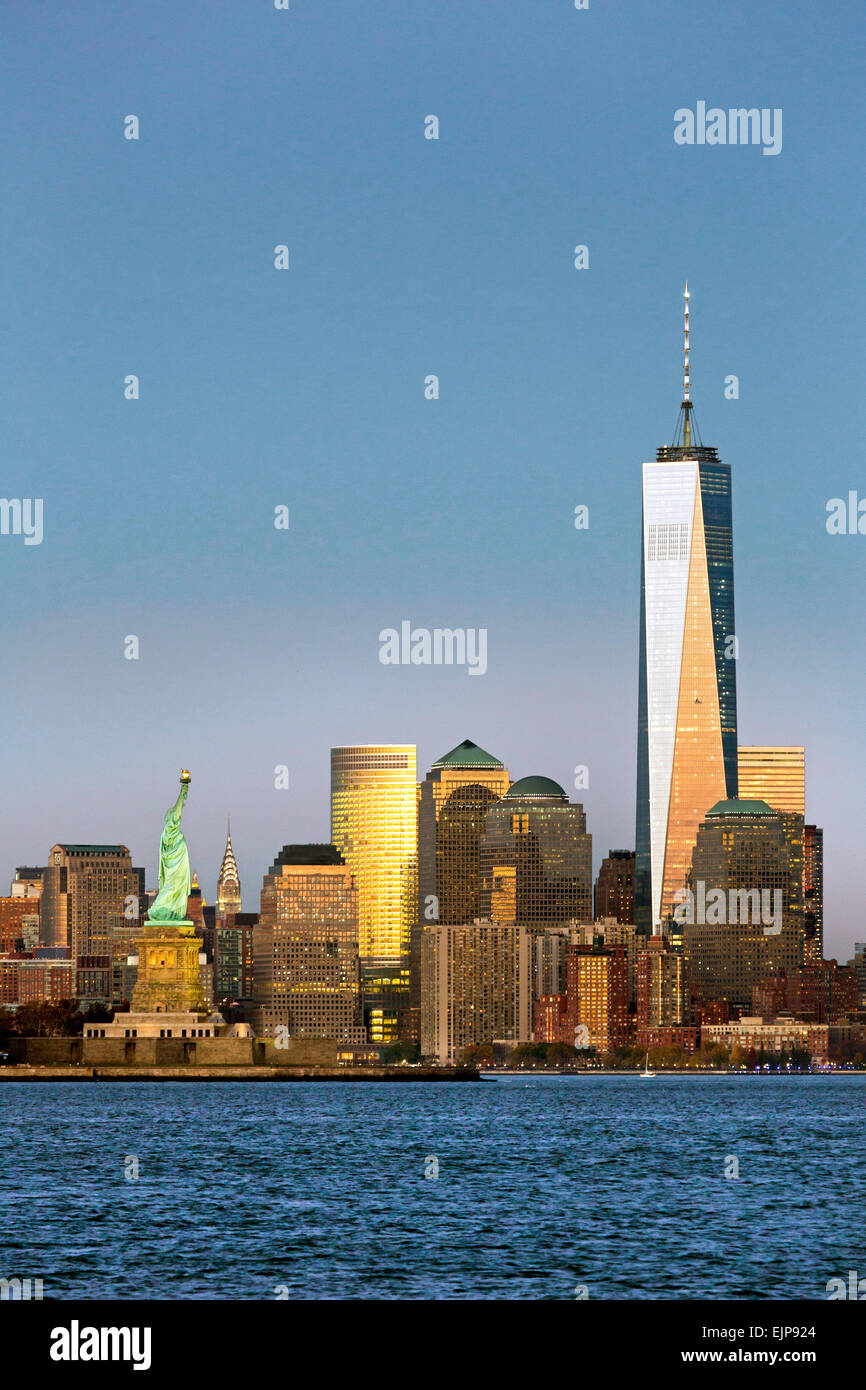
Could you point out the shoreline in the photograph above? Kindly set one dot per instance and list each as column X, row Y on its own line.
column 25, row 1073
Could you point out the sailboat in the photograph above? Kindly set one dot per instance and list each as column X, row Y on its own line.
column 646, row 1073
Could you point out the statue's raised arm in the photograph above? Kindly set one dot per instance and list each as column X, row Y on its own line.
column 170, row 903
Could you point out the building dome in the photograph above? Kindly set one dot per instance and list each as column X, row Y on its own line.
column 535, row 789
column 741, row 808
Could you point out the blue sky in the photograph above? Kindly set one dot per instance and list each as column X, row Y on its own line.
column 305, row 387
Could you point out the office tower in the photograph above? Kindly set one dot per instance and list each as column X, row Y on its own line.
column 228, row 900
column 858, row 964
column 777, row 775
column 662, row 992
column 744, row 919
column 813, row 894
column 687, row 693
column 305, row 948
column 233, row 960
column 774, row 775
column 88, row 894
column 614, row 887
column 598, row 995
column 453, row 801
column 536, row 832
column 475, row 987
column 374, row 825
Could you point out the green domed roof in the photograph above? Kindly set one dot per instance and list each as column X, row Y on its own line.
column 741, row 808
column 467, row 754
column 535, row 786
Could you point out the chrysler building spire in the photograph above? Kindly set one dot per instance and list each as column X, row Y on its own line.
column 229, row 882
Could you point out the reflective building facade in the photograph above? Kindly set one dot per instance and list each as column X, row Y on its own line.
column 374, row 825
column 687, row 694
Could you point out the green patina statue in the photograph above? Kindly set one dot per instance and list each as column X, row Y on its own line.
column 170, row 903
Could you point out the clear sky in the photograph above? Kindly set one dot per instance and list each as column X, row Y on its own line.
column 305, row 388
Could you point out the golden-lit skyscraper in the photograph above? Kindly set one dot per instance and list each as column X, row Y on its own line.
column 687, row 702
column 374, row 825
column 775, row 775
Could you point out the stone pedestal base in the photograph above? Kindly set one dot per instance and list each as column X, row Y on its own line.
column 155, row 1025
column 168, row 973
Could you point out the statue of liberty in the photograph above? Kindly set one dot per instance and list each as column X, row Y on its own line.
column 170, row 903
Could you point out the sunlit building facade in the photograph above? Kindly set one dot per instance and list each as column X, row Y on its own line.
column 598, row 995
column 305, row 948
column 687, row 700
column 776, row 775
column 374, row 825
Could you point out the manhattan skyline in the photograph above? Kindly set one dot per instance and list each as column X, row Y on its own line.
column 260, row 647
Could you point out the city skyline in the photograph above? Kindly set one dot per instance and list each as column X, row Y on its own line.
column 305, row 388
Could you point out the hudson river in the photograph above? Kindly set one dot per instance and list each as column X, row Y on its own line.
column 545, row 1184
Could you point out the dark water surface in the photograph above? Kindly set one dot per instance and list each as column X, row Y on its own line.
column 544, row 1184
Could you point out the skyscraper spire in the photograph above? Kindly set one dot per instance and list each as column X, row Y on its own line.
column 229, row 883
column 686, row 423
column 687, row 403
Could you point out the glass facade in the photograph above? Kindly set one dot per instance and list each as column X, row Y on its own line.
column 687, row 716
column 746, row 850
column 374, row 825
column 774, row 775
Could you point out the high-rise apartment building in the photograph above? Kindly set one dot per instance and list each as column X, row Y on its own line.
column 662, row 991
column 598, row 996
column 374, row 825
column 475, row 987
column 305, row 948
column 776, row 775
column 687, row 694
column 614, row 887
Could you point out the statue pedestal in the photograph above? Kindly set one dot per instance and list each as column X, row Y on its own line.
column 168, row 973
